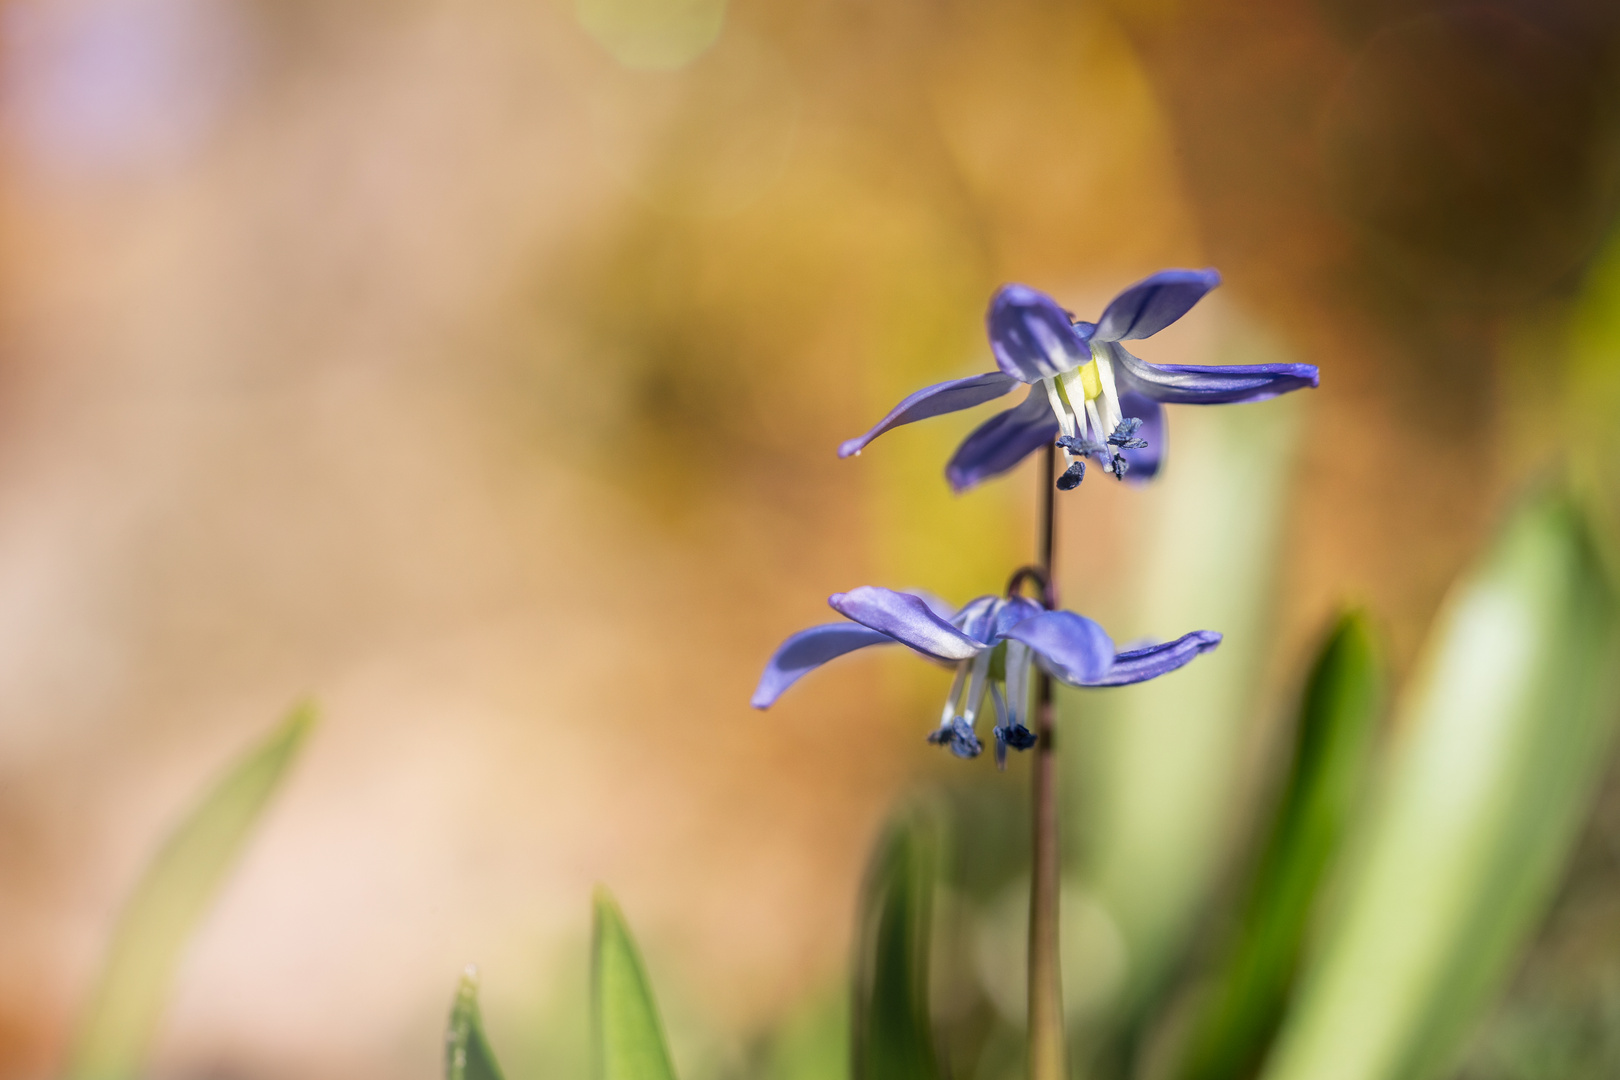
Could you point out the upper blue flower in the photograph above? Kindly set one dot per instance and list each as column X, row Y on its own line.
column 991, row 641
column 1094, row 398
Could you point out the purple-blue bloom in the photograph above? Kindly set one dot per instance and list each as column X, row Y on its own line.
column 991, row 642
column 1087, row 392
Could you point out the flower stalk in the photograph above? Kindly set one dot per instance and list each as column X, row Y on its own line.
column 1046, row 1036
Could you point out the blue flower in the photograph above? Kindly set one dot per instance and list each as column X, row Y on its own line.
column 1086, row 392
column 992, row 642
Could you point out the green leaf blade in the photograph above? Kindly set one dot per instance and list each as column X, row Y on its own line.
column 1337, row 725
column 174, row 893
column 467, row 1053
column 626, row 1029
column 892, row 1036
column 1498, row 748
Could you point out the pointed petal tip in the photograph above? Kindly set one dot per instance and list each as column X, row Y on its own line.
column 960, row 483
column 1148, row 306
column 1209, row 384
column 807, row 650
column 952, row 395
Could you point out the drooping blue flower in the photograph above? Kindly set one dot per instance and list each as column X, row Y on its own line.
column 992, row 642
column 1087, row 392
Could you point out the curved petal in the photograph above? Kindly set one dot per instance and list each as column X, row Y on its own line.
column 946, row 397
column 807, row 650
column 1014, row 610
column 1140, row 665
column 1002, row 442
column 977, row 618
column 1032, row 336
column 1187, row 384
column 937, row 604
column 907, row 619
column 1145, row 461
column 1072, row 647
column 1154, row 303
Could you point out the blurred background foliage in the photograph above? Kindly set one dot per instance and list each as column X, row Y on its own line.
column 477, row 367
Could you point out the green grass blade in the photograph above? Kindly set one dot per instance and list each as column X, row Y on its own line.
column 891, row 1037
column 467, row 1055
column 812, row 1041
column 171, row 898
column 628, row 1036
column 1338, row 721
column 1158, row 768
column 1498, row 747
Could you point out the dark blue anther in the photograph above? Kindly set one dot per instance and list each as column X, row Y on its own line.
column 959, row 737
column 1072, row 476
column 1083, row 447
column 1124, row 435
column 1015, row 735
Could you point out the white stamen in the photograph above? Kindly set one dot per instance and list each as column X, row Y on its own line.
column 1064, row 418
column 975, row 690
column 1114, row 412
column 1017, row 680
column 1075, row 385
column 949, row 714
column 1096, row 422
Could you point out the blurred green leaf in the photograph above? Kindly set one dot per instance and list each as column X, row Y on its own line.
column 467, row 1055
column 812, row 1042
column 1159, row 767
column 1498, row 746
column 892, row 1038
column 1338, row 719
column 628, row 1035
column 1591, row 382
column 170, row 899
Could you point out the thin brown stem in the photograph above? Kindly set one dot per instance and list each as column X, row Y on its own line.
column 1046, row 1042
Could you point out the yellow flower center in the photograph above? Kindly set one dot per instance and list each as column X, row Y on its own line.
column 1091, row 381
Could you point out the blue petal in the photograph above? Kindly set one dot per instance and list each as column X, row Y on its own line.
column 1185, row 384
column 977, row 619
column 1032, row 336
column 937, row 604
column 1140, row 665
column 1074, row 649
column 1003, row 441
column 953, row 395
column 807, row 650
column 907, row 619
column 1014, row 610
column 1145, row 462
column 1154, row 303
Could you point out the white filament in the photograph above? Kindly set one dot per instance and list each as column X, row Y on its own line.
column 975, row 689
column 949, row 714
column 1017, row 664
column 1065, row 418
